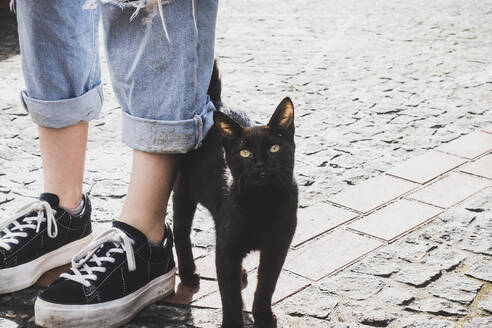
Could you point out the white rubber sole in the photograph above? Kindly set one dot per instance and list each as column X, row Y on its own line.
column 108, row 314
column 26, row 275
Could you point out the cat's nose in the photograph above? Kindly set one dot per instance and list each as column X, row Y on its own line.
column 260, row 164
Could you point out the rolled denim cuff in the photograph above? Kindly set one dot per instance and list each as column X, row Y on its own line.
column 159, row 136
column 64, row 112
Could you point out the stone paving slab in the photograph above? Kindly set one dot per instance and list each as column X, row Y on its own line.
column 373, row 193
column 479, row 322
column 287, row 285
column 332, row 251
column 426, row 167
column 301, row 303
column 315, row 220
column 433, row 305
column 418, row 276
column 450, row 190
column 395, row 219
column 206, row 264
column 486, row 304
column 422, row 321
column 352, row 285
column 487, row 129
column 444, row 259
column 479, row 267
column 469, row 146
column 456, row 289
column 481, row 167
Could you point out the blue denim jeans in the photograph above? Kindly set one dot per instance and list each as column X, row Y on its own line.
column 161, row 84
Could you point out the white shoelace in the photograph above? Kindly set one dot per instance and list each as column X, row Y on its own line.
column 45, row 213
column 83, row 272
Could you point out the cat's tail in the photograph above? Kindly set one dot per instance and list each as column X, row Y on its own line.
column 215, row 87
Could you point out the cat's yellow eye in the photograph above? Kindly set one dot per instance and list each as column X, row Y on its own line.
column 245, row 153
column 274, row 148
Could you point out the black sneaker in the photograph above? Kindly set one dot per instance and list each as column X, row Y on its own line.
column 40, row 237
column 110, row 281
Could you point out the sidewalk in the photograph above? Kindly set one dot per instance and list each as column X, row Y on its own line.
column 394, row 162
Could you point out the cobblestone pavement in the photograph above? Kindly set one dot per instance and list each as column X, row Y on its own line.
column 403, row 87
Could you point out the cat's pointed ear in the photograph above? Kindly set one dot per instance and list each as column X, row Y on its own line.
column 282, row 119
column 227, row 127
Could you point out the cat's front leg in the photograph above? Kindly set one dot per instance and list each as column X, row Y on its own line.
column 184, row 207
column 229, row 277
column 271, row 262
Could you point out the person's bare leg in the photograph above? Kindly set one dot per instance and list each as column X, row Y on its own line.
column 63, row 156
column 151, row 182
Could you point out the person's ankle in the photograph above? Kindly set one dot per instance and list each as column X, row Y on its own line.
column 154, row 233
column 68, row 199
column 77, row 210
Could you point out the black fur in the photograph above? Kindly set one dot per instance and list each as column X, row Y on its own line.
column 258, row 211
column 215, row 86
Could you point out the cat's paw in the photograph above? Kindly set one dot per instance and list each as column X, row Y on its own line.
column 191, row 279
column 265, row 320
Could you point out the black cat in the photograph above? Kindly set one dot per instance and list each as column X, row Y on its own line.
column 257, row 211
